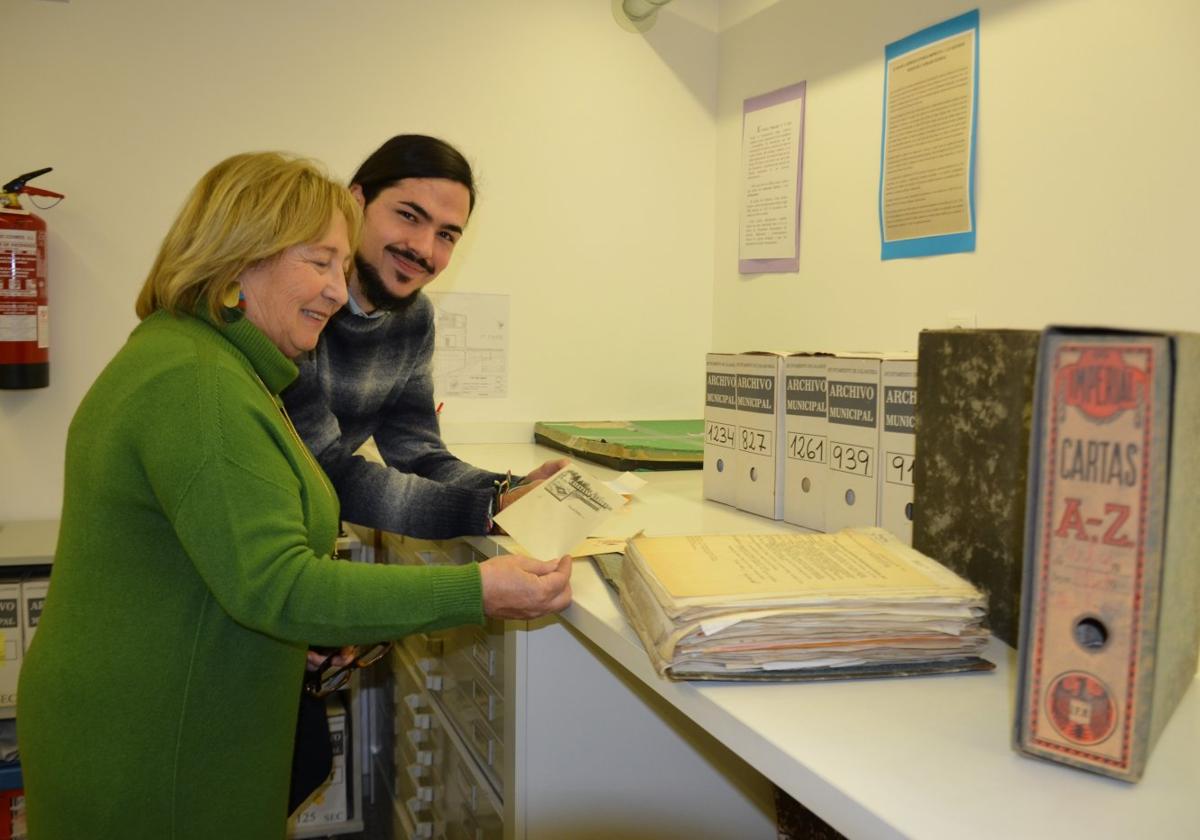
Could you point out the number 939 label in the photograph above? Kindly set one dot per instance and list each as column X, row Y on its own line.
column 847, row 458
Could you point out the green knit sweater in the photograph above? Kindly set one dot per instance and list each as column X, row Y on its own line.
column 159, row 698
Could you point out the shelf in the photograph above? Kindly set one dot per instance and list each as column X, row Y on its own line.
column 10, row 776
column 28, row 542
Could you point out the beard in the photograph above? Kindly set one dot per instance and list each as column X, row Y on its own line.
column 376, row 293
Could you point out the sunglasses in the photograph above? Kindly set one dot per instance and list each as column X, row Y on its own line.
column 328, row 679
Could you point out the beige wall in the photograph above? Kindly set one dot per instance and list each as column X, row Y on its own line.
column 609, row 169
column 1087, row 172
column 594, row 147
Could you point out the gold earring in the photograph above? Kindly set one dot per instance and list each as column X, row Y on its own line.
column 232, row 295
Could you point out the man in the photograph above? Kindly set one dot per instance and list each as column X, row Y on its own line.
column 370, row 376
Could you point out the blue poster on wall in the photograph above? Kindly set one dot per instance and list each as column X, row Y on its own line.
column 927, row 162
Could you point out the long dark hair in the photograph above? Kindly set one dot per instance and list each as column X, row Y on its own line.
column 413, row 156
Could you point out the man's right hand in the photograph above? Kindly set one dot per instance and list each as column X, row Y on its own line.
column 521, row 587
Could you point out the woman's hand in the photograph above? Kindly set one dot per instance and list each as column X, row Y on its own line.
column 344, row 657
column 522, row 588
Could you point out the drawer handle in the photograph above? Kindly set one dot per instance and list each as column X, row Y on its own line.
column 483, row 699
column 484, row 741
column 485, row 656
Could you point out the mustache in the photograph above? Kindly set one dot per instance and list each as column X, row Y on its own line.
column 404, row 253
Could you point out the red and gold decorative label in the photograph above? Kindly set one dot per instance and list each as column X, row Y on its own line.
column 1099, row 433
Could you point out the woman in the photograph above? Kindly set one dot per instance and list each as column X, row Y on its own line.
column 193, row 571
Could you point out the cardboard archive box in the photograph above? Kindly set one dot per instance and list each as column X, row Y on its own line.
column 759, row 460
column 1110, row 626
column 12, row 646
column 974, row 407
column 806, row 440
column 328, row 806
column 33, row 598
column 720, row 427
column 852, row 391
column 897, row 443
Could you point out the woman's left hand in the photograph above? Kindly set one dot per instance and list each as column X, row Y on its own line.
column 344, row 657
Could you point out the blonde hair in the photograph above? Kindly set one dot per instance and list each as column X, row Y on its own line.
column 247, row 209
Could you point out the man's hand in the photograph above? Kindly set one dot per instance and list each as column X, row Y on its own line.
column 546, row 470
column 521, row 587
column 516, row 493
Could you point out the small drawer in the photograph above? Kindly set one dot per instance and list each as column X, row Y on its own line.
column 484, row 657
column 421, row 817
column 485, row 699
column 485, row 743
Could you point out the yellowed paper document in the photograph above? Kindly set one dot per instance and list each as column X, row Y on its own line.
column 560, row 513
column 770, row 164
column 764, row 564
column 927, row 141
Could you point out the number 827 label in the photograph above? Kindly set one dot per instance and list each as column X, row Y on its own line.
column 758, row 441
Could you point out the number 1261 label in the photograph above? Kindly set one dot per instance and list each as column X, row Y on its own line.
column 803, row 447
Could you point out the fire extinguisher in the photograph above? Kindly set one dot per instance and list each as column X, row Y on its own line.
column 24, row 305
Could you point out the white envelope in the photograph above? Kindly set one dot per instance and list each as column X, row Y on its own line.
column 558, row 514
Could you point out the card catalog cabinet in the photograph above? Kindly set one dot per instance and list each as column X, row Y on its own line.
column 444, row 758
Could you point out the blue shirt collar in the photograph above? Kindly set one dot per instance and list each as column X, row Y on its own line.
column 353, row 306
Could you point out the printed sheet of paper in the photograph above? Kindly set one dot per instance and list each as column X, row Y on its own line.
column 557, row 515
column 626, row 484
column 470, row 354
column 765, row 564
column 927, row 185
column 772, row 153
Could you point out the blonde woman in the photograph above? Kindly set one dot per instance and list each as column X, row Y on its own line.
column 193, row 568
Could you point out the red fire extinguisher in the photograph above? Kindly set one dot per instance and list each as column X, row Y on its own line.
column 24, row 305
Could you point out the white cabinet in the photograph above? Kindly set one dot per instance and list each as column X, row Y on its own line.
column 525, row 730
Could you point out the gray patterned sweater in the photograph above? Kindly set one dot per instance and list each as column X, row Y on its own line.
column 372, row 377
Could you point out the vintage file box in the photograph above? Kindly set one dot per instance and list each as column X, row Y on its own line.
column 33, row 598
column 897, row 443
column 852, row 391
column 974, row 404
column 12, row 648
column 720, row 427
column 1110, row 626
column 329, row 806
column 806, row 440
column 759, row 483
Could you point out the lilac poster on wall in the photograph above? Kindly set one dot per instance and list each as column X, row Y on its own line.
column 772, row 172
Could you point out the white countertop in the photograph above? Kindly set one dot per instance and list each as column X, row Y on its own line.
column 923, row 757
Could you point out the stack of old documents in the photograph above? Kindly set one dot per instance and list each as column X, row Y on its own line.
column 855, row 603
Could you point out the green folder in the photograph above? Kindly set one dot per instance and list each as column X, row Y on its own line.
column 629, row 444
